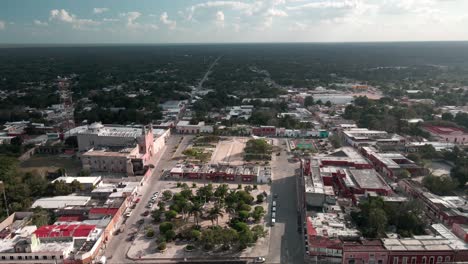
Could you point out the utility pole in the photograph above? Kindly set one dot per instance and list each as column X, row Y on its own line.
column 2, row 187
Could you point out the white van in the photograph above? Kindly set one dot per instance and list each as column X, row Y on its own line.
column 274, row 203
column 273, row 221
column 273, row 209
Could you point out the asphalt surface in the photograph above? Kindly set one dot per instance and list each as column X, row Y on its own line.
column 286, row 244
column 119, row 245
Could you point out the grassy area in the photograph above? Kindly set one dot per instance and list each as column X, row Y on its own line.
column 49, row 163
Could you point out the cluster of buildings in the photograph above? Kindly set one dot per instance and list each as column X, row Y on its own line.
column 119, row 149
column 84, row 225
column 222, row 173
column 372, row 165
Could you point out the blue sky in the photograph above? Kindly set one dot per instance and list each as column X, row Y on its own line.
column 201, row 21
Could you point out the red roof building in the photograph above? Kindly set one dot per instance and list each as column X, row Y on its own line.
column 103, row 211
column 64, row 231
column 70, row 218
column 448, row 134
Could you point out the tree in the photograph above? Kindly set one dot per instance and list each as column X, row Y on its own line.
column 162, row 246
column 171, row 214
column 243, row 215
column 17, row 141
column 443, row 185
column 195, row 234
column 260, row 198
column 447, row 117
column 258, row 232
column 377, row 222
column 170, row 235
column 221, row 191
column 196, row 209
column 167, row 195
column 150, row 232
column 156, row 214
column 71, row 142
column 308, row 101
column 246, row 238
column 328, row 104
column 165, row 226
column 214, row 213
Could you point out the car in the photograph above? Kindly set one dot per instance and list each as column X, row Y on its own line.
column 149, row 205
column 274, row 203
column 128, row 214
column 153, row 199
column 131, row 237
column 156, row 194
column 141, row 221
column 275, row 195
column 273, row 209
column 145, row 213
column 273, row 215
column 273, row 221
column 137, row 200
column 259, row 260
column 278, row 154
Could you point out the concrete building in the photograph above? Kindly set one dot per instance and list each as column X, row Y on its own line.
column 345, row 157
column 220, row 173
column 88, row 182
column 184, row 127
column 393, row 165
column 358, row 137
column 445, row 209
column 61, row 201
column 448, row 134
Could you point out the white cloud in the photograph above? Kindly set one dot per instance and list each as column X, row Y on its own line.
column 62, row 15
column 2, row 25
column 338, row 4
column 40, row 23
column 276, row 13
column 100, row 10
column 246, row 8
column 110, row 19
column 166, row 21
column 131, row 17
column 298, row 26
column 220, row 19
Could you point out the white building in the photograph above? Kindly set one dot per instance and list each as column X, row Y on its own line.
column 184, row 127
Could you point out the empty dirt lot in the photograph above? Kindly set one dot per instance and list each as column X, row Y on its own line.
column 229, row 150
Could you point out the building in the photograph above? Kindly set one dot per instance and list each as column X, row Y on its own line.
column 338, row 99
column 393, row 165
column 438, row 146
column 317, row 194
column 57, row 202
column 358, row 182
column 120, row 150
column 184, row 127
column 221, row 173
column 448, row 134
column 264, row 131
column 445, row 209
column 88, row 182
column 358, row 137
column 345, row 157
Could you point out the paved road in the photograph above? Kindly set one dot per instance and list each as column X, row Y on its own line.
column 205, row 77
column 118, row 246
column 286, row 244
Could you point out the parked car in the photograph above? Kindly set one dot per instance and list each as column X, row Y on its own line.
column 137, row 200
column 274, row 203
column 273, row 215
column 259, row 260
column 145, row 213
column 273, row 209
column 149, row 205
column 273, row 221
column 128, row 214
column 275, row 195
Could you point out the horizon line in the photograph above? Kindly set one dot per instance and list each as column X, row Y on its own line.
column 3, row 45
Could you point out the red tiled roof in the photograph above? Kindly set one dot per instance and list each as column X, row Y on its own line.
column 104, row 211
column 64, row 230
column 310, row 228
column 70, row 218
column 443, row 130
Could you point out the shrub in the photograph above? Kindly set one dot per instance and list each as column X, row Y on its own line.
column 245, row 207
column 243, row 215
column 194, row 185
column 167, row 195
column 166, row 226
column 239, row 186
column 162, row 246
column 260, row 198
column 179, row 184
column 170, row 215
column 255, row 187
column 190, row 247
column 150, row 232
column 170, row 235
column 195, row 234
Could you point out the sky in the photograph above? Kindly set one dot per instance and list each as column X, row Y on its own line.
column 204, row 21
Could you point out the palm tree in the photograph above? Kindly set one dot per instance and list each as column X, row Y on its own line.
column 231, row 209
column 196, row 209
column 215, row 213
column 221, row 191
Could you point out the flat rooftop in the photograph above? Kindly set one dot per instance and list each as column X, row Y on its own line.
column 61, row 201
column 368, row 179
